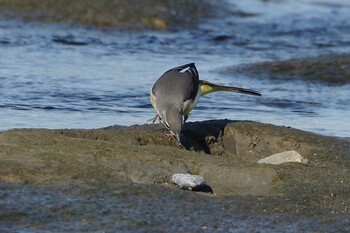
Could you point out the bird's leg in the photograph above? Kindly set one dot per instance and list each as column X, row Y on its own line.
column 168, row 135
column 154, row 119
column 185, row 118
column 172, row 137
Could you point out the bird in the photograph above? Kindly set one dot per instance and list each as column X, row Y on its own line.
column 177, row 92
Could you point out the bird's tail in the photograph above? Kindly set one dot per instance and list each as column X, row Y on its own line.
column 207, row 87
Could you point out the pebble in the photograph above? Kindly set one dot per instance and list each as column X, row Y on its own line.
column 187, row 181
column 284, row 157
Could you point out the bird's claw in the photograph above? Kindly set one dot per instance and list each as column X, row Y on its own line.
column 155, row 118
column 171, row 137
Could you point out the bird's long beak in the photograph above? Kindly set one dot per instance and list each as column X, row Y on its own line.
column 207, row 87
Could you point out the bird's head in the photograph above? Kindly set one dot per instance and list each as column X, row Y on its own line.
column 172, row 118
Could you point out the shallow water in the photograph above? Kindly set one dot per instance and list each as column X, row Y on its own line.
column 60, row 76
column 141, row 208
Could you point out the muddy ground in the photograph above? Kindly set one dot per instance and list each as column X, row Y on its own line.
column 224, row 152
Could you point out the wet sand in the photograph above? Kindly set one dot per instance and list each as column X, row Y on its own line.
column 138, row 161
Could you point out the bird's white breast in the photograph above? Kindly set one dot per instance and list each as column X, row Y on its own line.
column 190, row 104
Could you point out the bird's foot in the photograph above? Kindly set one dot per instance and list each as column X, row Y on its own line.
column 169, row 136
column 172, row 137
column 154, row 119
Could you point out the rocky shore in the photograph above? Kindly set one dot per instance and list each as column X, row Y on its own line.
column 135, row 15
column 224, row 152
column 118, row 172
column 329, row 68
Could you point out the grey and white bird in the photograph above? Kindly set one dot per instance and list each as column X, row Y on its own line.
column 177, row 92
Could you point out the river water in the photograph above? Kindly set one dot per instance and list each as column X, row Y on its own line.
column 61, row 75
column 69, row 76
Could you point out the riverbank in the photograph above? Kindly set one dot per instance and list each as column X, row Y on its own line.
column 224, row 152
column 134, row 15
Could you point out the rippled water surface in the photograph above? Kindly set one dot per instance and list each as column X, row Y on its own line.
column 61, row 76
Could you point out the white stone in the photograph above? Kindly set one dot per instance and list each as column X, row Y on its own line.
column 284, row 157
column 187, row 181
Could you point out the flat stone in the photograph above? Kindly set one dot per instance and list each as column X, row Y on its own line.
column 187, row 181
column 284, row 157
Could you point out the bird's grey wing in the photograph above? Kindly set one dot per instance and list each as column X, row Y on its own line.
column 168, row 76
column 192, row 82
column 183, row 67
column 181, row 79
